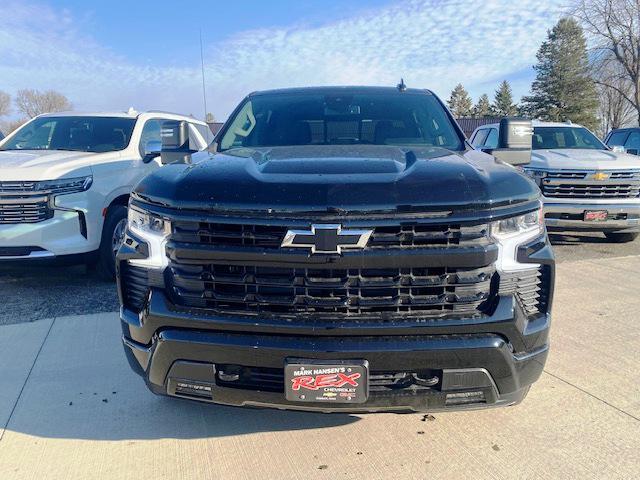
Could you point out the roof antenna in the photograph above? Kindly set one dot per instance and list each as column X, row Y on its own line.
column 401, row 86
column 204, row 90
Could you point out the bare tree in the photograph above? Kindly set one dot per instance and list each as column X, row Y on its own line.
column 614, row 109
column 33, row 102
column 5, row 103
column 614, row 28
column 10, row 125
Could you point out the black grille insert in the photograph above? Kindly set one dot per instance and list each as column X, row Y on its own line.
column 280, row 290
column 271, row 236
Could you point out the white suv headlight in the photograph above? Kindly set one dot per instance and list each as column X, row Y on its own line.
column 66, row 186
column 154, row 230
column 512, row 232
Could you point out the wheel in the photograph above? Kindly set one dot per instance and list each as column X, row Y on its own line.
column 621, row 237
column 115, row 225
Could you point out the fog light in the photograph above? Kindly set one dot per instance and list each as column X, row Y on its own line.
column 464, row 398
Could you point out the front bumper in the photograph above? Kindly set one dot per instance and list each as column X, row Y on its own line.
column 567, row 216
column 465, row 363
column 57, row 236
column 494, row 359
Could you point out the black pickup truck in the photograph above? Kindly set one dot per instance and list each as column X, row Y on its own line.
column 338, row 249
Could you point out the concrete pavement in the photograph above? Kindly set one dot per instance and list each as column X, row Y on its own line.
column 73, row 409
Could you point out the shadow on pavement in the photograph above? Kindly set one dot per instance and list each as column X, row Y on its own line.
column 140, row 415
column 577, row 238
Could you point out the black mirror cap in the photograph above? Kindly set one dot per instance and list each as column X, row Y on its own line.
column 514, row 141
column 175, row 142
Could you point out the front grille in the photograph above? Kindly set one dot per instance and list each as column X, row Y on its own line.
column 272, row 379
column 271, row 236
column 591, row 191
column 530, row 288
column 17, row 186
column 21, row 202
column 280, row 290
column 24, row 211
column 586, row 184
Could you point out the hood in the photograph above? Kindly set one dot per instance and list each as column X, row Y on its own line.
column 580, row 159
column 338, row 179
column 45, row 164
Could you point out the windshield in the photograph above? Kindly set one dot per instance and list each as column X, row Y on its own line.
column 288, row 119
column 546, row 138
column 82, row 134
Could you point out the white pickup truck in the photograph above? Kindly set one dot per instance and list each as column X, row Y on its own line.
column 65, row 180
column 585, row 185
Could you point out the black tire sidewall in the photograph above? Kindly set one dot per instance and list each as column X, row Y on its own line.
column 106, row 261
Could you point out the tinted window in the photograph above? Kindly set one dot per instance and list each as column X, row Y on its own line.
column 633, row 142
column 617, row 138
column 492, row 139
column 341, row 119
column 565, row 137
column 480, row 137
column 83, row 134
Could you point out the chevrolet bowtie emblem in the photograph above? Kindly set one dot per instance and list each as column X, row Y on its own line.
column 326, row 238
column 600, row 176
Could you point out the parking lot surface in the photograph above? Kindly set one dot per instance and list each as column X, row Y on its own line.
column 71, row 408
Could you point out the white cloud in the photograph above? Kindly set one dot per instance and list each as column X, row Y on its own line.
column 432, row 44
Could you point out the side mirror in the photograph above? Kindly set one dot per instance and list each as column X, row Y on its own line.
column 152, row 149
column 514, row 141
column 632, row 151
column 618, row 149
column 175, row 142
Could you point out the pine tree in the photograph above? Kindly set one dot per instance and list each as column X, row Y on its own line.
column 503, row 105
column 563, row 89
column 482, row 109
column 460, row 102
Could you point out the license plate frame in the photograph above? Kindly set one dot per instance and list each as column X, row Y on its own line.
column 595, row 215
column 326, row 381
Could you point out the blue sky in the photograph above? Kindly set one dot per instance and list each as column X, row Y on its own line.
column 146, row 54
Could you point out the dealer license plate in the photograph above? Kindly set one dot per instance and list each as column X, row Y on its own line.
column 335, row 381
column 595, row 215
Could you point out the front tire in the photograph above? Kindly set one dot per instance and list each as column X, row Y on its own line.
column 621, row 237
column 115, row 225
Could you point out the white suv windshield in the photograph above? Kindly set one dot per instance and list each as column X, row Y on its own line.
column 358, row 118
column 547, row 138
column 82, row 134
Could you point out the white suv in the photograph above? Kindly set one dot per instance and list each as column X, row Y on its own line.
column 585, row 185
column 65, row 180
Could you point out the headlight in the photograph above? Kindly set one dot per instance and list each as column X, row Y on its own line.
column 66, row 186
column 143, row 222
column 528, row 225
column 512, row 232
column 153, row 230
column 537, row 175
